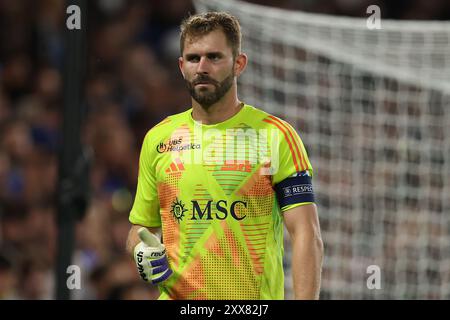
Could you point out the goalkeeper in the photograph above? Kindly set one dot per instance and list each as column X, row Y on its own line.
column 217, row 182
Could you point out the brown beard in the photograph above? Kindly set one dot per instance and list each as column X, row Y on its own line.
column 207, row 99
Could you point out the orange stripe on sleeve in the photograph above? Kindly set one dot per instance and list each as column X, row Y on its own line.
column 299, row 147
column 294, row 158
column 291, row 131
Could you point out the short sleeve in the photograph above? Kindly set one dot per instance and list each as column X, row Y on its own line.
column 145, row 210
column 293, row 157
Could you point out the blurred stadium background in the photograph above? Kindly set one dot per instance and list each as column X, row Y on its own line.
column 372, row 107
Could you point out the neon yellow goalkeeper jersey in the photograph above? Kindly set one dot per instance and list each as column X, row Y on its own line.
column 212, row 190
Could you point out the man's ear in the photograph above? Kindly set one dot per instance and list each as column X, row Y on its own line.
column 240, row 64
column 180, row 65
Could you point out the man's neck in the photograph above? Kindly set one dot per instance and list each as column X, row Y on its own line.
column 218, row 112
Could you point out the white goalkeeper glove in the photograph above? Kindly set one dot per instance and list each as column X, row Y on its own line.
column 150, row 257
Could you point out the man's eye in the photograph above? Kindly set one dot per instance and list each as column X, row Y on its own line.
column 214, row 57
column 193, row 59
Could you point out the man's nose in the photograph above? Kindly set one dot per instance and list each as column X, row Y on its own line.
column 203, row 65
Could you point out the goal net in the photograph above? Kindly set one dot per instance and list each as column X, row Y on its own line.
column 373, row 110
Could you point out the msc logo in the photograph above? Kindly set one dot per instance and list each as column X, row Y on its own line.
column 222, row 208
column 178, row 210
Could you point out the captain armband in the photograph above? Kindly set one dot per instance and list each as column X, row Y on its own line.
column 295, row 189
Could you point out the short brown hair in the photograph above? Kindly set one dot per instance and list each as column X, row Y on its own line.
column 204, row 23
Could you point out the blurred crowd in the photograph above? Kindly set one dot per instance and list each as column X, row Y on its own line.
column 132, row 83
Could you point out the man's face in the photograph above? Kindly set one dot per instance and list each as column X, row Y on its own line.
column 208, row 67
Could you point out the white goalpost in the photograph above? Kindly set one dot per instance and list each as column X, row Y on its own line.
column 373, row 110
